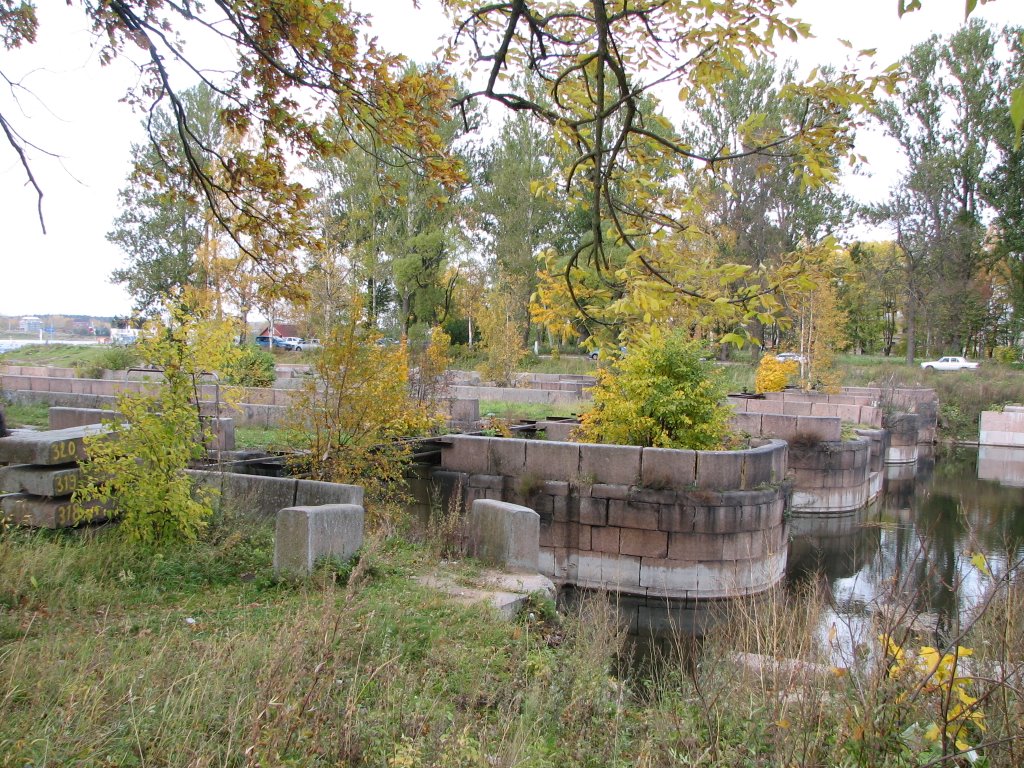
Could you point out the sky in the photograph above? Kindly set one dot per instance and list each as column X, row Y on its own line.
column 70, row 106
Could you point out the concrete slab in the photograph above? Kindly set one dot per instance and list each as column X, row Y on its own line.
column 306, row 534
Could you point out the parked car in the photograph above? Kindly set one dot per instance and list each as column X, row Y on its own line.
column 785, row 356
column 307, row 344
column 263, row 341
column 949, row 363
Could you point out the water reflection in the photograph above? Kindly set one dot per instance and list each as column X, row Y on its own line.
column 907, row 558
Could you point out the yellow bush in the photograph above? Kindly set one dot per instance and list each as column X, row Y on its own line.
column 773, row 374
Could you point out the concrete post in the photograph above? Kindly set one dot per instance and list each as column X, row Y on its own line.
column 504, row 535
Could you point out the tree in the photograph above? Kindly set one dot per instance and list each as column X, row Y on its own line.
column 162, row 231
column 943, row 117
column 620, row 160
column 301, row 76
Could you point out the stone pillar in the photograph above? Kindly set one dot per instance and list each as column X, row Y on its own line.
column 307, row 534
column 504, row 535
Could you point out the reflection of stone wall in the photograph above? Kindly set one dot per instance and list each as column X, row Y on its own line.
column 837, row 546
column 904, row 433
column 648, row 521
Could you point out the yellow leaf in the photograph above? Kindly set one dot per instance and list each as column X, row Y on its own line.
column 979, row 562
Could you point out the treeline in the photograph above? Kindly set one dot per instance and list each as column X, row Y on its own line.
column 755, row 249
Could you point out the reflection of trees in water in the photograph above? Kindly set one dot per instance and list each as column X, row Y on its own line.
column 924, row 556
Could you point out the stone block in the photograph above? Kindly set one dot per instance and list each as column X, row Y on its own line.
column 643, row 543
column 631, row 514
column 653, row 495
column 35, row 512
column 779, row 426
column 606, row 491
column 758, row 466
column 551, row 460
column 63, row 417
column 39, row 481
column 594, row 511
column 256, row 495
column 487, row 482
column 465, row 411
column 585, row 537
column 555, row 488
column 622, row 572
column 466, row 453
column 695, row 547
column 50, row 448
column 505, row 535
column 506, row 456
column 819, row 428
column 719, row 470
column 748, row 423
column 667, row 468
column 613, row 464
column 676, row 518
column 306, row 534
column 797, row 409
column 669, row 577
column 311, row 493
column 605, row 539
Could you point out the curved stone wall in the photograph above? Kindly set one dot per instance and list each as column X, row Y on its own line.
column 830, row 477
column 646, row 521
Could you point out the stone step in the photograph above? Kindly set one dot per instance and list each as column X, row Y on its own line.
column 39, row 481
column 36, row 512
column 49, row 448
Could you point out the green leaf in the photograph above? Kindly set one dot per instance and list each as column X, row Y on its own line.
column 1017, row 114
column 733, row 338
column 971, row 5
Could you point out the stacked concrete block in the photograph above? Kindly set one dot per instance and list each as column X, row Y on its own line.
column 41, row 476
column 504, row 535
column 650, row 521
column 261, row 497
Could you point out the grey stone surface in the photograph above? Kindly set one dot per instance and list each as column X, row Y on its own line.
column 465, row 453
column 549, row 460
column 611, row 464
column 505, row 455
column 49, row 448
column 38, row 481
column 719, row 470
column 62, row 417
column 35, row 512
column 667, row 468
column 504, row 535
column 314, row 492
column 306, row 534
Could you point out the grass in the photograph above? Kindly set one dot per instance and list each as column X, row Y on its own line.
column 55, row 355
column 270, row 438
column 28, row 415
column 511, row 411
column 197, row 655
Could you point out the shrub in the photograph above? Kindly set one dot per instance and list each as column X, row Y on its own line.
column 773, row 374
column 253, row 367
column 140, row 475
column 1006, row 354
column 119, row 358
column 662, row 393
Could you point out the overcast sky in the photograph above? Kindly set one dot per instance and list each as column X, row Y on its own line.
column 71, row 108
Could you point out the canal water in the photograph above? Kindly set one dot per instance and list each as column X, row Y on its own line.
column 905, row 560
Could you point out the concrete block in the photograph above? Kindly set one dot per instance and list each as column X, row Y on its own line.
column 35, row 512
column 719, row 470
column 63, row 418
column 312, row 493
column 819, row 428
column 306, row 534
column 622, row 572
column 676, row 518
column 550, row 460
column 758, row 464
column 257, row 496
column 779, row 426
column 614, row 464
column 667, row 468
column 466, row 453
column 643, row 543
column 606, row 491
column 695, row 547
column 605, row 539
column 505, row 535
column 55, row 446
column 594, row 511
column 629, row 514
column 38, row 481
column 669, row 577
column 748, row 423
column 506, row 456
column 797, row 409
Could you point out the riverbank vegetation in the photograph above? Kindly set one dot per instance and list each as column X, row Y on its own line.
column 196, row 655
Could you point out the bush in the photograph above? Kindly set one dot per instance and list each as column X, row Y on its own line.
column 662, row 393
column 118, row 358
column 1006, row 354
column 773, row 374
column 254, row 367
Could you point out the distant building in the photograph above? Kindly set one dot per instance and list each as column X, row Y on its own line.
column 30, row 324
column 124, row 335
column 281, row 330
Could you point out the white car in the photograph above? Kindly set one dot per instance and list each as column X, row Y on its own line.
column 787, row 356
column 949, row 363
column 307, row 344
